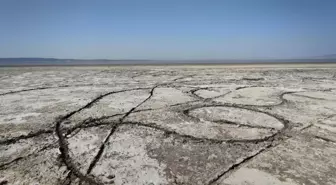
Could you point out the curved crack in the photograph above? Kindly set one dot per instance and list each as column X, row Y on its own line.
column 315, row 98
column 2, row 166
column 281, row 97
column 237, row 165
column 222, row 121
column 25, row 90
column 193, row 92
column 64, row 149
column 180, row 78
column 101, row 149
column 29, row 135
column 253, row 79
column 52, row 87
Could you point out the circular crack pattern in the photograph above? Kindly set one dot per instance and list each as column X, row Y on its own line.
column 247, row 125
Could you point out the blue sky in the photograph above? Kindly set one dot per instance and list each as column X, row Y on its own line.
column 167, row 29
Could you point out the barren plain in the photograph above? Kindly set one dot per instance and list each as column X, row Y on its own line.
column 159, row 125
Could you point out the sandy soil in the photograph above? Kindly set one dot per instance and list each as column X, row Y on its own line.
column 158, row 125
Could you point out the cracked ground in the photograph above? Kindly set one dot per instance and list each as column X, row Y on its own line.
column 179, row 125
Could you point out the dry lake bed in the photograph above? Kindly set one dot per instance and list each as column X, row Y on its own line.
column 158, row 125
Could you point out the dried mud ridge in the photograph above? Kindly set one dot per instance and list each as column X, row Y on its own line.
column 86, row 178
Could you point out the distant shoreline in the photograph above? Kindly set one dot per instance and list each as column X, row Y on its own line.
column 264, row 64
column 17, row 62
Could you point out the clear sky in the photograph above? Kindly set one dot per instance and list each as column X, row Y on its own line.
column 167, row 29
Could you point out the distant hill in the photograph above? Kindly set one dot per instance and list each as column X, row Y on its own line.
column 330, row 56
column 59, row 62
column 55, row 61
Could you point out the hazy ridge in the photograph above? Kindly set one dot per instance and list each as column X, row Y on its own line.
column 56, row 61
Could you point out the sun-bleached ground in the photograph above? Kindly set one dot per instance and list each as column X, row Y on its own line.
column 179, row 125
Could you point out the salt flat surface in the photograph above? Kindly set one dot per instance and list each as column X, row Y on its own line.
column 158, row 125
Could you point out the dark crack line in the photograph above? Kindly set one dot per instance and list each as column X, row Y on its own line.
column 101, row 149
column 135, row 76
column 241, row 124
column 326, row 124
column 306, row 127
column 238, row 165
column 252, row 79
column 4, row 165
column 320, row 89
column 114, row 128
column 193, row 92
column 314, row 79
column 53, row 87
column 25, row 90
column 325, row 139
column 180, row 78
column 314, row 98
column 132, row 109
column 174, row 105
column 219, row 96
column 43, row 88
column 30, row 135
column 244, row 87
